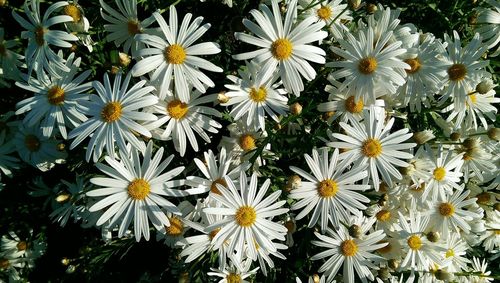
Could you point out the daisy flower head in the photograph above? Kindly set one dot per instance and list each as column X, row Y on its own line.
column 355, row 254
column 173, row 235
column 172, row 54
column 455, row 253
column 329, row 191
column 80, row 24
column 112, row 114
column 214, row 170
column 449, row 215
column 491, row 237
column 369, row 63
column 464, row 70
column 488, row 25
column 253, row 96
column 284, row 46
column 9, row 60
column 179, row 120
column 236, row 272
column 29, row 248
column 334, row 13
column 124, row 24
column 39, row 55
column 369, row 142
column 136, row 190
column 248, row 217
column 477, row 159
column 55, row 99
column 38, row 150
column 242, row 141
column 480, row 267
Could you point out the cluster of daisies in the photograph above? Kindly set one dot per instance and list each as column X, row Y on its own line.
column 384, row 203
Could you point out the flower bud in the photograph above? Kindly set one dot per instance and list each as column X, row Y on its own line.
column 423, row 136
column 443, row 275
column 484, row 86
column 355, row 231
column 494, row 134
column 371, row 8
column 222, row 97
column 433, row 236
column 455, row 136
column 296, row 108
column 393, row 264
column 354, row 4
column 125, row 59
column 293, row 183
column 470, row 143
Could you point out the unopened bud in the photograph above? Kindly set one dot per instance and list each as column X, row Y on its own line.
column 65, row 261
column 125, row 59
column 470, row 143
column 371, row 8
column 63, row 197
column 443, row 275
column 355, row 231
column 393, row 264
column 278, row 126
column 296, row 108
column 316, row 278
column 3, row 2
column 423, row 136
column 327, row 115
column 61, row 146
column 73, row 47
column 115, row 70
column 433, row 237
column 494, row 134
column 455, row 136
column 222, row 97
column 485, row 86
column 293, row 183
column 354, row 4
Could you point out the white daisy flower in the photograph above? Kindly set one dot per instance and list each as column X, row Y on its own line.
column 135, row 191
column 491, row 237
column 242, row 141
column 56, row 99
column 173, row 235
column 477, row 160
column 249, row 215
column 80, row 24
column 113, row 113
column 284, row 46
column 488, row 25
column 124, row 24
column 252, row 96
column 237, row 272
column 448, row 215
column 172, row 55
column 9, row 60
column 329, row 191
column 480, row 267
column 38, row 53
column 420, row 252
column 37, row 150
column 29, row 249
column 214, row 172
column 463, row 68
column 372, row 143
column 456, row 249
column 369, row 63
column 354, row 253
column 334, row 13
column 178, row 120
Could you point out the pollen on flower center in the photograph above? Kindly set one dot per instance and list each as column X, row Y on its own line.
column 457, row 72
column 213, row 187
column 175, row 54
column 258, row 95
column 327, row 188
column 111, row 112
column 414, row 242
column 348, row 248
column 56, row 95
column 32, row 143
column 383, row 215
column 371, row 148
column 133, row 27
column 39, row 35
column 367, row 65
column 473, row 98
column 352, row 106
column 245, row 216
column 177, row 109
column 73, row 11
column 324, row 13
column 439, row 173
column 414, row 65
column 176, row 227
column 281, row 49
column 138, row 189
column 247, row 142
column 22, row 246
column 446, row 209
column 233, row 278
column 450, row 253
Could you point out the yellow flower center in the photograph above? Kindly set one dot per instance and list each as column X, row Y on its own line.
column 176, row 227
column 175, row 54
column 383, row 215
column 4, row 263
column 73, row 11
column 483, row 198
column 414, row 242
column 233, row 278
column 414, row 65
column 32, row 143
column 213, row 233
column 385, row 249
column 439, row 173
column 133, row 27
column 213, row 187
column 457, row 72
column 371, row 148
column 324, row 13
column 245, row 216
column 450, row 253
column 247, row 142
column 473, row 98
column 258, row 95
column 348, row 248
column 111, row 112
column 446, row 209
column 177, row 109
column 367, row 65
column 22, row 246
column 281, row 49
column 352, row 106
column 39, row 35
column 138, row 189
column 327, row 188
column 56, row 95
